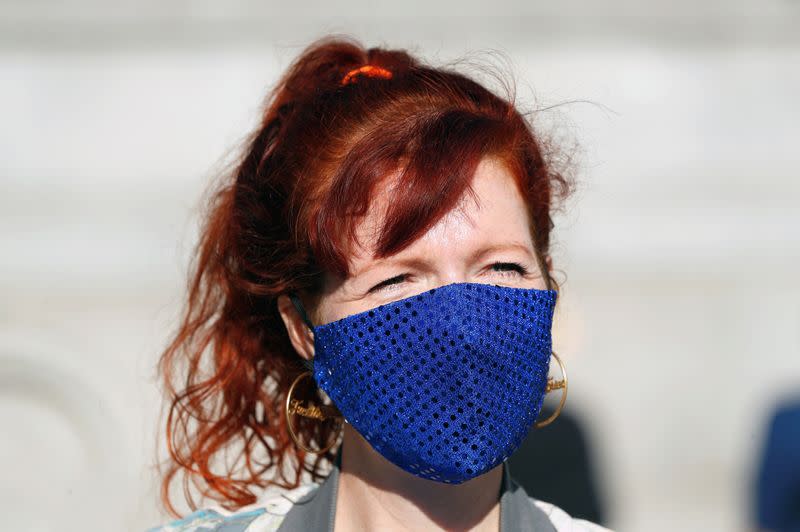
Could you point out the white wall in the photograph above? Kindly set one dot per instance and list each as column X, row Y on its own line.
column 679, row 317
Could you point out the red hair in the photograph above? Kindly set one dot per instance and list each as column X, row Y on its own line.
column 287, row 213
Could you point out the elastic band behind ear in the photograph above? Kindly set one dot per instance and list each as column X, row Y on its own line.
column 300, row 310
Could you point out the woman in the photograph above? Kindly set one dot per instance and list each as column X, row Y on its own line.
column 384, row 240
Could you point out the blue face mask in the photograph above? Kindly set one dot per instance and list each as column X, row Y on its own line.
column 446, row 383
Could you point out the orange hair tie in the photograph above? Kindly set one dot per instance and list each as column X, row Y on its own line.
column 369, row 71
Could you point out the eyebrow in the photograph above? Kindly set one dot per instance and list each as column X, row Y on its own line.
column 502, row 247
column 421, row 263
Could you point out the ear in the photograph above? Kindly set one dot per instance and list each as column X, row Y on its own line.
column 300, row 335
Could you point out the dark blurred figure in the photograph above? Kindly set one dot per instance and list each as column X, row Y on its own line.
column 554, row 464
column 778, row 474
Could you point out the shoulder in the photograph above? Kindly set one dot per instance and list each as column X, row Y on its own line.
column 265, row 515
column 563, row 522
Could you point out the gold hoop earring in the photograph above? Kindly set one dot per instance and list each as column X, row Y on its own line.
column 320, row 412
column 555, row 385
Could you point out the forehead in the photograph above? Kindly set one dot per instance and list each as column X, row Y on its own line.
column 495, row 208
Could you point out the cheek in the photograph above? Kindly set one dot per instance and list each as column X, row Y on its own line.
column 332, row 301
column 332, row 309
column 325, row 312
column 540, row 283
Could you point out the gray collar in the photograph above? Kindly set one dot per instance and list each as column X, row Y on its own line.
column 316, row 510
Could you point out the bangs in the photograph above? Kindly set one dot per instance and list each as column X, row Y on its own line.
column 434, row 158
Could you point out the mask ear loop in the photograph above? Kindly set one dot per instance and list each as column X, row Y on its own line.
column 309, row 364
column 294, row 407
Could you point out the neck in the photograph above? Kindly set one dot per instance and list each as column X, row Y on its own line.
column 375, row 494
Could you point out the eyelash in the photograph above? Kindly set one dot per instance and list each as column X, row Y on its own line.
column 519, row 268
column 513, row 266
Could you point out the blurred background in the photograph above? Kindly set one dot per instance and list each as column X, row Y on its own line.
column 680, row 252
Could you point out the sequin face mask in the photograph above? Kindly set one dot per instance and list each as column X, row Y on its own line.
column 446, row 383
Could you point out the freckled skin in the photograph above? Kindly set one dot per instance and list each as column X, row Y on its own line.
column 499, row 215
column 374, row 494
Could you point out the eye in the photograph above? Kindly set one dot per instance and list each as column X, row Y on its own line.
column 510, row 267
column 397, row 279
